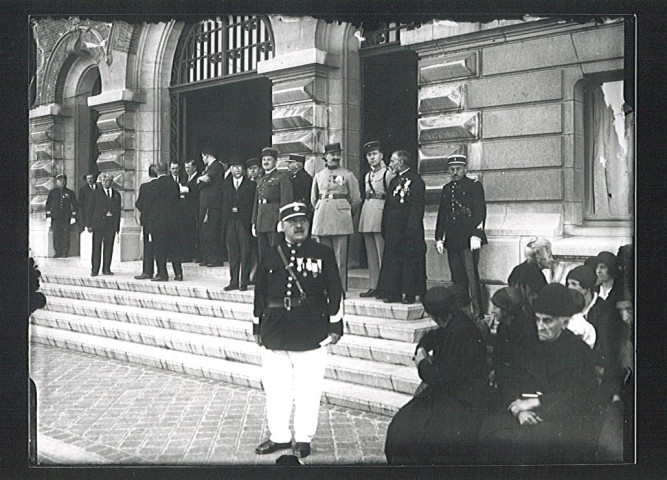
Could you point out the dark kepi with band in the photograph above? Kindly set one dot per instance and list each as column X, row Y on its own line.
column 292, row 210
column 370, row 146
column 332, row 148
column 270, row 151
column 296, row 158
column 457, row 159
column 252, row 162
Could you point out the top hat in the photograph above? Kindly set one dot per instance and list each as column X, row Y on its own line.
column 270, row 151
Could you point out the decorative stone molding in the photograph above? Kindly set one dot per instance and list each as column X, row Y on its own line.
column 302, row 141
column 302, row 89
column 442, row 69
column 298, row 116
column 440, row 128
column 441, row 97
column 46, row 136
column 433, row 157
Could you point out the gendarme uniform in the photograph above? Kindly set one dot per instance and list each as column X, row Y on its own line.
column 292, row 330
column 61, row 207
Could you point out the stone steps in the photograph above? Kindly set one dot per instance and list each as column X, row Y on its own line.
column 126, row 283
column 399, row 378
column 336, row 392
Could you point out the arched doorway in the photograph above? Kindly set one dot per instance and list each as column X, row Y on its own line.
column 217, row 97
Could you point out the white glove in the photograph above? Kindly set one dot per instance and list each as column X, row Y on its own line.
column 254, row 230
column 48, row 222
column 72, row 221
column 475, row 243
column 183, row 188
column 440, row 247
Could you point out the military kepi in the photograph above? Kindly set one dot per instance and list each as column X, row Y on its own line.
column 252, row 162
column 292, row 210
column 61, row 175
column 457, row 159
column 332, row 147
column 297, row 158
column 269, row 151
column 370, row 146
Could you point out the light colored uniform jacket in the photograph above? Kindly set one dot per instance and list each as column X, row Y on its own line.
column 376, row 182
column 333, row 216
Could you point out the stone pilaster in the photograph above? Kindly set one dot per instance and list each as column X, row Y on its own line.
column 116, row 143
column 46, row 161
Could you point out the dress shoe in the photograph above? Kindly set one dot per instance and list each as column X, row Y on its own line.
column 301, row 449
column 160, row 279
column 408, row 300
column 370, row 293
column 108, row 272
column 393, row 299
column 243, row 288
column 203, row 264
column 93, row 274
column 270, row 446
column 230, row 287
column 143, row 276
column 178, row 278
column 379, row 294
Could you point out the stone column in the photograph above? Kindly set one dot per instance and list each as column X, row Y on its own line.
column 46, row 161
column 116, row 144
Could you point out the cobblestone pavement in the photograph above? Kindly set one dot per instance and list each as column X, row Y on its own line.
column 94, row 410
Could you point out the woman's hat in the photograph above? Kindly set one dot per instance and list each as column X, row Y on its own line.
column 609, row 259
column 584, row 274
column 509, row 299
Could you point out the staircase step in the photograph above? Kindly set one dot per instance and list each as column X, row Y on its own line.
column 374, row 327
column 336, row 392
column 127, row 283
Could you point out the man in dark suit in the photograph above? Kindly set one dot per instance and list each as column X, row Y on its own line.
column 104, row 221
column 61, row 211
column 176, row 173
column 84, row 196
column 302, row 182
column 404, row 258
column 460, row 227
column 190, row 207
column 238, row 201
column 210, row 185
column 161, row 223
column 141, row 205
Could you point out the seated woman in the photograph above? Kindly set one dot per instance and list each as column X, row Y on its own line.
column 439, row 425
column 528, row 276
column 551, row 399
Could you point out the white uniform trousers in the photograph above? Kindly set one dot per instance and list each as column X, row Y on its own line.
column 374, row 250
column 293, row 378
column 338, row 244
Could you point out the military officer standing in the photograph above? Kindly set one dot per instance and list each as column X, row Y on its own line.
column 61, row 210
column 274, row 190
column 335, row 196
column 404, row 260
column 376, row 182
column 299, row 310
column 460, row 227
column 302, row 182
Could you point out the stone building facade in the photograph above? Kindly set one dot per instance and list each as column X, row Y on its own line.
column 515, row 95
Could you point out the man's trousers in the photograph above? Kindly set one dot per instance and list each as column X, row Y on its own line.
column 293, row 378
column 374, row 250
column 60, row 229
column 239, row 241
column 339, row 245
column 210, row 222
column 457, row 268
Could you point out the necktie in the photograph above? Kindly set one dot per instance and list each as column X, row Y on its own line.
column 109, row 192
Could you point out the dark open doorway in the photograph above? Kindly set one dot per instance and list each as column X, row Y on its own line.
column 390, row 101
column 234, row 118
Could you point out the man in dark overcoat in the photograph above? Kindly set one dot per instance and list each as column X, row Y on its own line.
column 61, row 212
column 104, row 222
column 301, row 180
column 210, row 184
column 148, row 258
column 298, row 310
column 190, row 206
column 83, row 198
column 403, row 274
column 161, row 223
column 460, row 226
column 238, row 202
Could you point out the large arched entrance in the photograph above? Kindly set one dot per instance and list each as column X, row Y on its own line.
column 217, row 97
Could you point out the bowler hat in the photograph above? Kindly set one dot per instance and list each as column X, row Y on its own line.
column 584, row 275
column 296, row 158
column 269, row 151
column 292, row 210
column 554, row 299
column 370, row 146
column 252, row 162
column 457, row 159
column 235, row 160
column 332, row 147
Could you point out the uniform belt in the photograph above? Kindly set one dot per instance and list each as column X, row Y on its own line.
column 235, row 210
column 332, row 196
column 376, row 196
column 262, row 201
column 287, row 303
